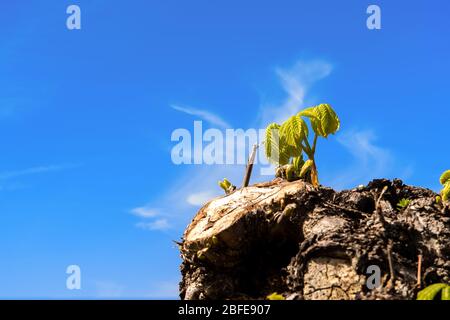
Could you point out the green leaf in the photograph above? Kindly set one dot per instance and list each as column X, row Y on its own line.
column 285, row 154
column 288, row 151
column 445, row 294
column 329, row 119
column 298, row 164
column 275, row 296
column 431, row 291
column 293, row 131
column 222, row 185
column 306, row 167
column 403, row 203
column 445, row 177
column 309, row 113
column 324, row 120
column 277, row 150
column 290, row 172
column 226, row 182
column 272, row 142
column 445, row 193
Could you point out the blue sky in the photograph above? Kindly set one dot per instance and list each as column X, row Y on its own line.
column 86, row 117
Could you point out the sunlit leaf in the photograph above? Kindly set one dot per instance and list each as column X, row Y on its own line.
column 294, row 130
column 445, row 294
column 275, row 296
column 278, row 151
column 298, row 164
column 272, row 142
column 430, row 292
column 446, row 191
column 445, row 177
column 324, row 120
column 306, row 167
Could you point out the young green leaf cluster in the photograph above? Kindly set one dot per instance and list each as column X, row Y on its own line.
column 430, row 292
column 445, row 181
column 286, row 143
column 227, row 186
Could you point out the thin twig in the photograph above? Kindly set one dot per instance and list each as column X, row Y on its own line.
column 377, row 207
column 248, row 169
column 391, row 265
column 419, row 271
column 389, row 244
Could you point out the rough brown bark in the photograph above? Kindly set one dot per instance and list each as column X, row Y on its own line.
column 315, row 243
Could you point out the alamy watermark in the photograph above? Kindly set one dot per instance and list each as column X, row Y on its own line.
column 373, row 22
column 73, row 22
column 73, row 281
column 374, row 279
column 213, row 146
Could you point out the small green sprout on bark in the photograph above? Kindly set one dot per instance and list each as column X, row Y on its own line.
column 431, row 292
column 275, row 296
column 403, row 203
column 445, row 181
column 227, row 186
column 286, row 143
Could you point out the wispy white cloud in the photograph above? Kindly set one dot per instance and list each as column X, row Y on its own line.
column 145, row 212
column 7, row 178
column 159, row 224
column 200, row 198
column 204, row 115
column 198, row 184
column 361, row 144
column 295, row 81
column 35, row 170
column 370, row 160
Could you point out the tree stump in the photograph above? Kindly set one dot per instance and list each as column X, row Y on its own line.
column 315, row 243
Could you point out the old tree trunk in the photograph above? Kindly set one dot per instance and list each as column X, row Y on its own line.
column 316, row 243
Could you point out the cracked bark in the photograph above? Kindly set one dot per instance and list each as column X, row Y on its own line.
column 309, row 243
